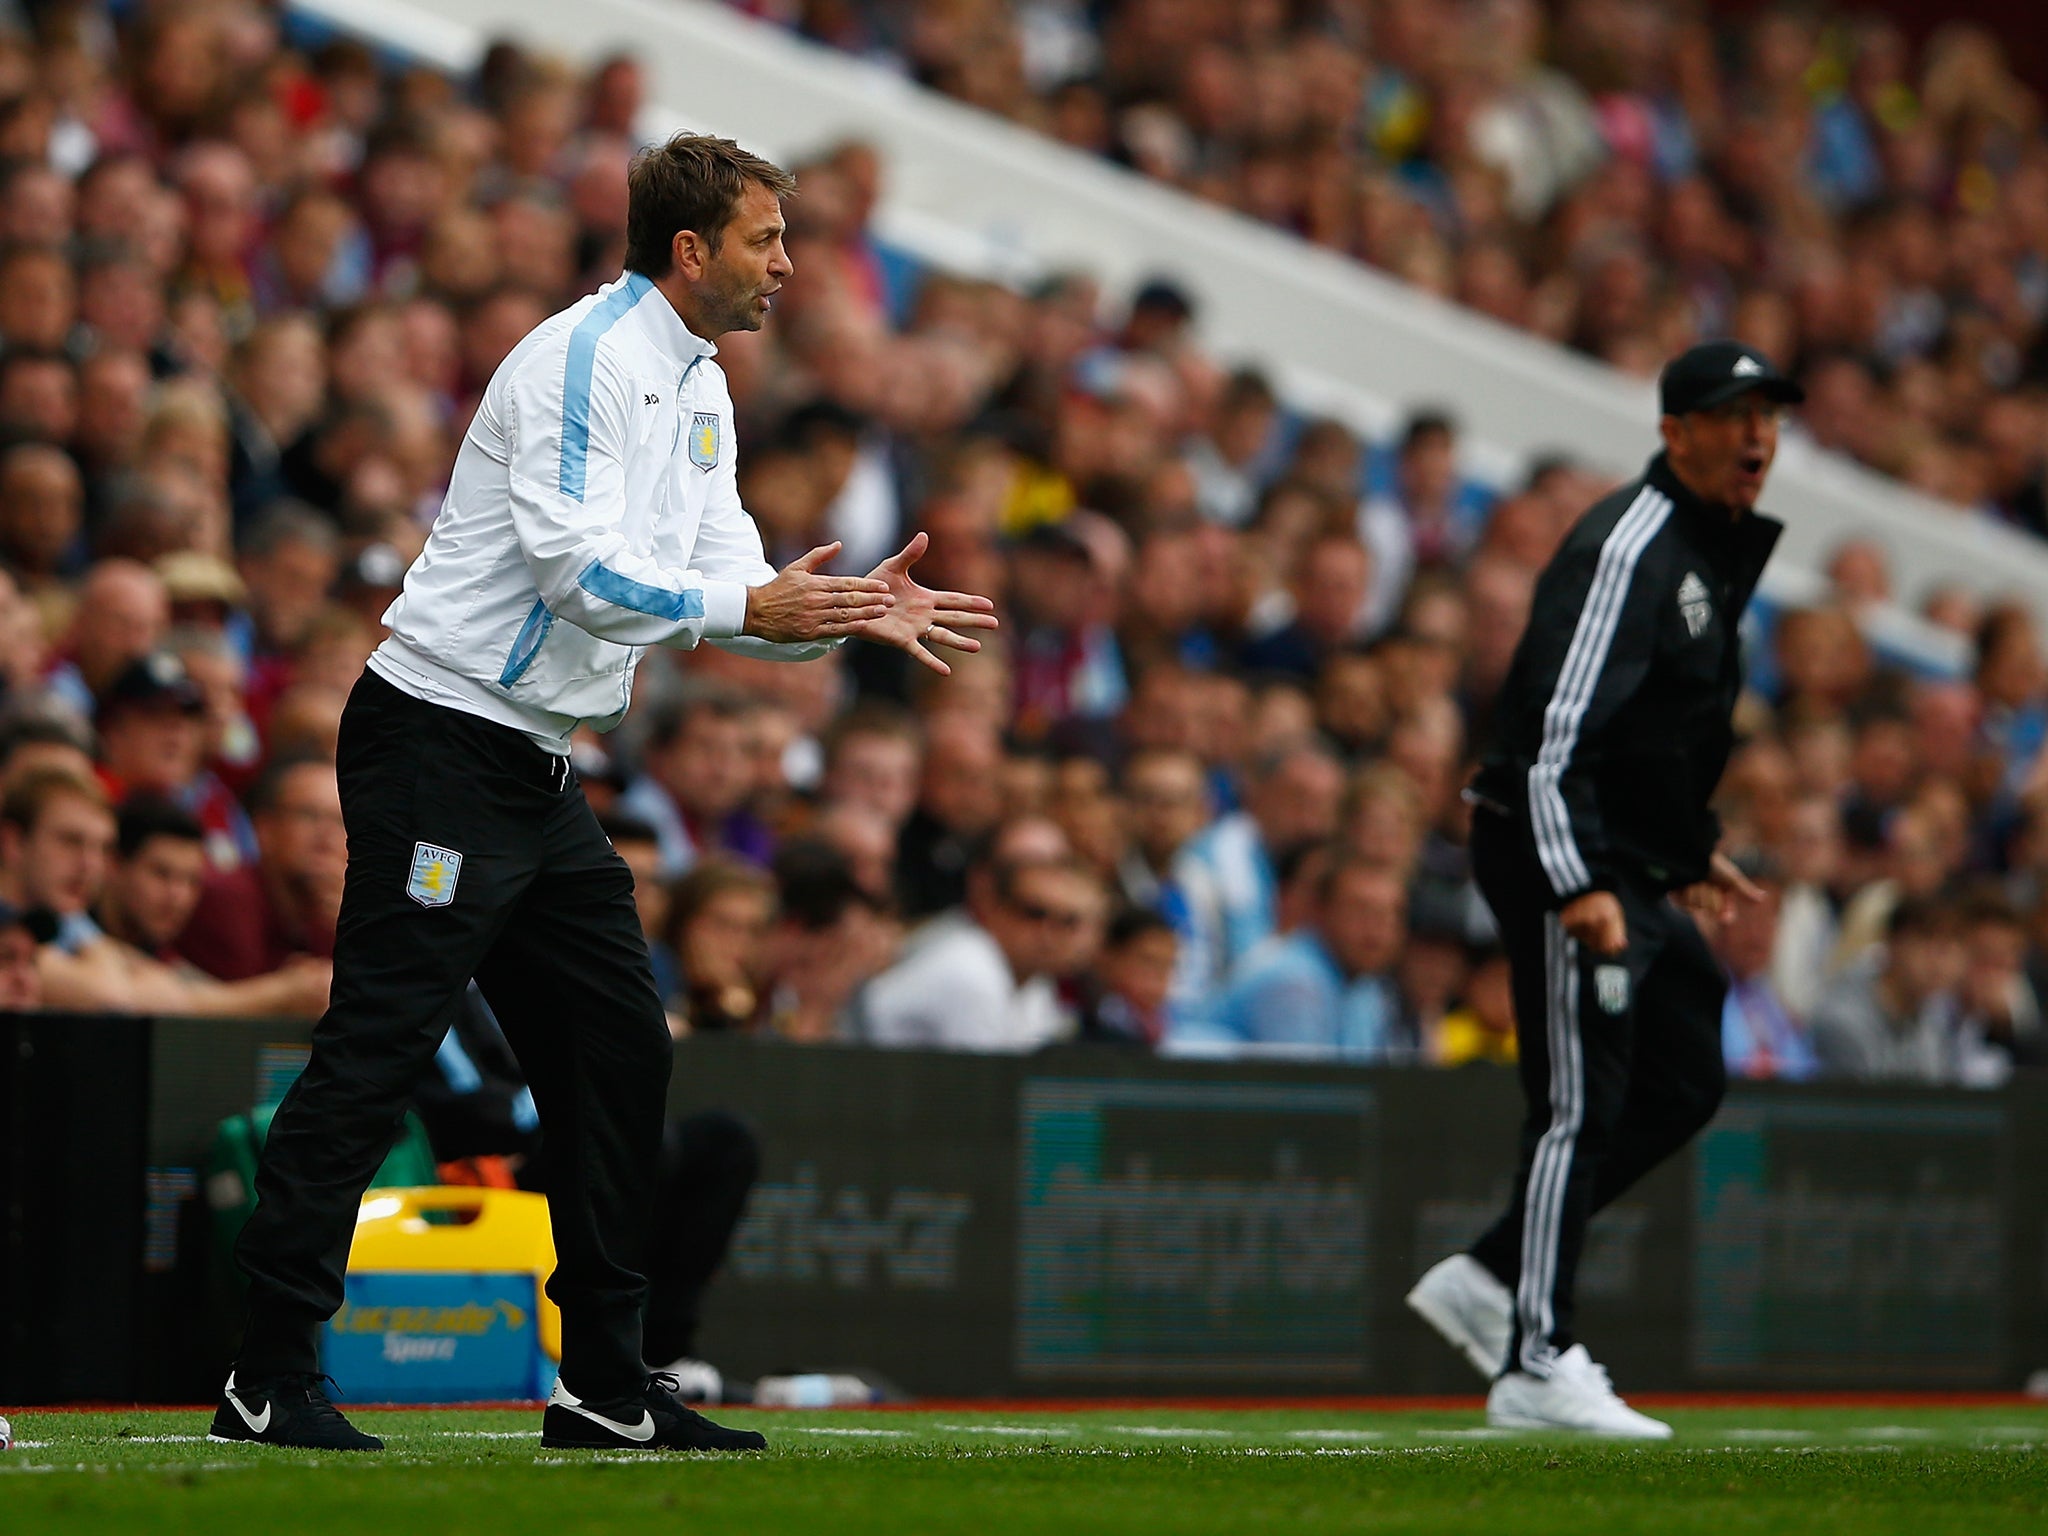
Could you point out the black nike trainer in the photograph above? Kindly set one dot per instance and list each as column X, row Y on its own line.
column 656, row 1420
column 287, row 1410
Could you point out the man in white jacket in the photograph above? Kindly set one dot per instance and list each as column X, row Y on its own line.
column 593, row 512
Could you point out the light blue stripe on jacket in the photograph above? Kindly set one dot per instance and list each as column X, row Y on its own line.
column 582, row 363
column 601, row 581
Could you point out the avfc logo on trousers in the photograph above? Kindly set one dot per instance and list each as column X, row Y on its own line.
column 431, row 881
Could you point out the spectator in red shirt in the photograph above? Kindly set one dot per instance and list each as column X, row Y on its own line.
column 289, row 561
column 254, row 918
column 153, row 741
column 123, row 611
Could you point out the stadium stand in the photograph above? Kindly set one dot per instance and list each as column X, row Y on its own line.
column 256, row 271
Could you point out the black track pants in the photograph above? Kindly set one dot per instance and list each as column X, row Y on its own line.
column 709, row 1162
column 1621, row 1066
column 540, row 911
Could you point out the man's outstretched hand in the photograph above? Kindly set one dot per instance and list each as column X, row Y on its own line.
column 799, row 604
column 921, row 617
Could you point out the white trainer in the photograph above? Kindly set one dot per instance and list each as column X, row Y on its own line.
column 1475, row 1313
column 1575, row 1395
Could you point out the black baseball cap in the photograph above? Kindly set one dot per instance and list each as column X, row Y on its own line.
column 1055, row 539
column 1714, row 372
column 1166, row 297
column 158, row 681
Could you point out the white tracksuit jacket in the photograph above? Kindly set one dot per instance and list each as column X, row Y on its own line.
column 593, row 511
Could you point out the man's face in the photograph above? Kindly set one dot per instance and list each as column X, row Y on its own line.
column 1046, row 918
column 1142, row 970
column 1724, row 454
column 740, row 277
column 960, row 774
column 122, row 617
column 1364, row 921
column 157, row 888
column 1299, row 802
column 1336, row 575
column 287, row 588
column 877, row 773
column 21, row 985
column 64, row 855
column 39, row 500
column 722, row 943
column 707, row 767
column 1429, row 471
column 301, row 835
column 157, row 749
column 1923, row 964
column 1168, row 803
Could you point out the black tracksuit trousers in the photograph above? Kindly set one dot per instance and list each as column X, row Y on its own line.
column 540, row 911
column 1621, row 1066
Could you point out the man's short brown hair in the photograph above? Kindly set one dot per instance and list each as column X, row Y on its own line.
column 693, row 182
column 26, row 802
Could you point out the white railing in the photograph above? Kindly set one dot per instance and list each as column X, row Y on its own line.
column 966, row 188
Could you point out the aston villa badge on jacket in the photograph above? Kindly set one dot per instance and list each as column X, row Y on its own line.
column 704, row 440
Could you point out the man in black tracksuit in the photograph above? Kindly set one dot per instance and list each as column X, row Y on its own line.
column 1590, row 814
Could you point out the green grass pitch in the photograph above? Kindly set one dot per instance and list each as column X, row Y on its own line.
column 1923, row 1470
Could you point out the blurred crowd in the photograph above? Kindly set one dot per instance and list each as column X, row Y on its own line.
column 1621, row 176
column 1203, row 793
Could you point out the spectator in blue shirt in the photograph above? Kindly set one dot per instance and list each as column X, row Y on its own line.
column 1760, row 1037
column 1328, row 989
column 1228, row 872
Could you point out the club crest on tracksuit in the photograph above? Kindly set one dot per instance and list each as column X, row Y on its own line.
column 431, row 881
column 1694, row 604
column 1610, row 988
column 704, row 439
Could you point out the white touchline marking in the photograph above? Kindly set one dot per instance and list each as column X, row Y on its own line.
column 818, row 1429
column 1336, row 1434
column 1484, row 1432
column 1770, row 1434
column 1006, row 1429
column 1894, row 1432
column 487, row 1434
column 1165, row 1431
column 161, row 1439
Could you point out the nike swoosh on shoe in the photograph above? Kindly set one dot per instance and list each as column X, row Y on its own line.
column 643, row 1431
column 257, row 1423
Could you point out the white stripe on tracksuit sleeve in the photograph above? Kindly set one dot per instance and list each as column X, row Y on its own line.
column 1598, row 672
